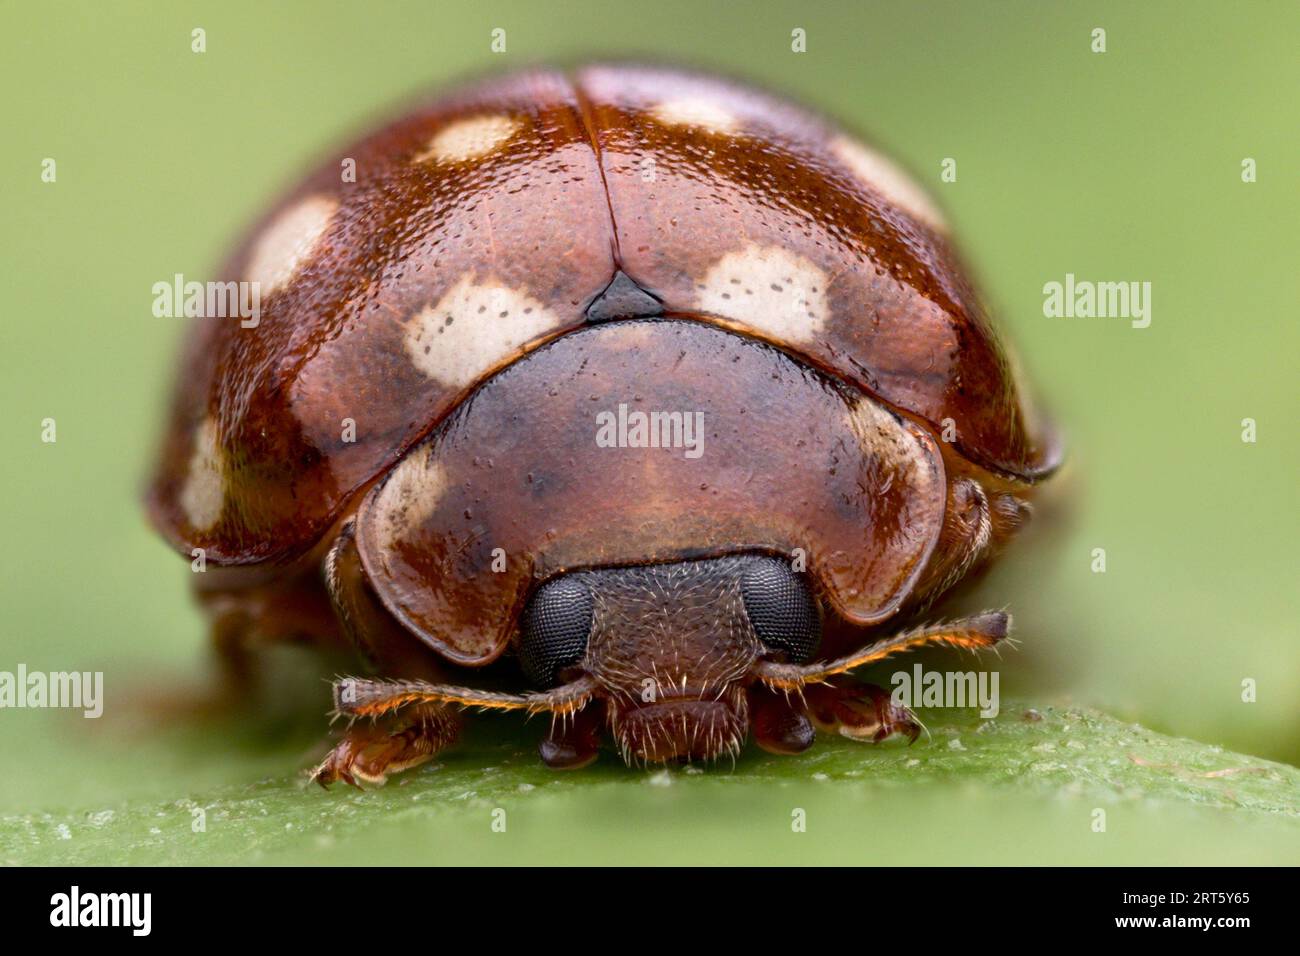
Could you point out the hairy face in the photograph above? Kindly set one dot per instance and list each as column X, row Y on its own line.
column 671, row 661
column 671, row 647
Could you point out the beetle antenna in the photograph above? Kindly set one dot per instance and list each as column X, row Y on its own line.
column 359, row 696
column 983, row 630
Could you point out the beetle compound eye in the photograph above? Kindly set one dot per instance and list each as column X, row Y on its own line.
column 781, row 609
column 554, row 630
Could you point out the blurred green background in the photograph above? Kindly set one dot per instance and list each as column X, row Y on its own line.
column 1117, row 166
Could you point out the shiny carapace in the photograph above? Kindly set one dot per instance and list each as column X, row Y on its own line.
column 626, row 394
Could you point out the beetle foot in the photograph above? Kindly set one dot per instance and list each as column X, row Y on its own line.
column 574, row 742
column 779, row 723
column 369, row 752
column 859, row 711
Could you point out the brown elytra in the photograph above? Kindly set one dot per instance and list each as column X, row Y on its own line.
column 405, row 454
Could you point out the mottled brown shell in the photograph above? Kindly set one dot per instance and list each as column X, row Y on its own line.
column 481, row 228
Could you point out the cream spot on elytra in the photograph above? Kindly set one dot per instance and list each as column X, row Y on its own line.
column 470, row 138
column 768, row 289
column 883, row 436
column 288, row 242
column 203, row 494
column 407, row 498
column 695, row 112
column 883, row 176
column 472, row 329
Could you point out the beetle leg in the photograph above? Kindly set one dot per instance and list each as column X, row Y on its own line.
column 232, row 625
column 779, row 720
column 859, row 711
column 573, row 742
column 243, row 623
column 369, row 752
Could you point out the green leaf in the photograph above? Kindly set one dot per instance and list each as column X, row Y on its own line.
column 1030, row 786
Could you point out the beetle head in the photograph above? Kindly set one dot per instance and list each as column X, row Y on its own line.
column 666, row 656
column 670, row 648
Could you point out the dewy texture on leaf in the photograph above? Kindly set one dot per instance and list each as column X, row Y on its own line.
column 972, row 787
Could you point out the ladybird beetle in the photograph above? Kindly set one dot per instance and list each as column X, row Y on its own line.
column 630, row 395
